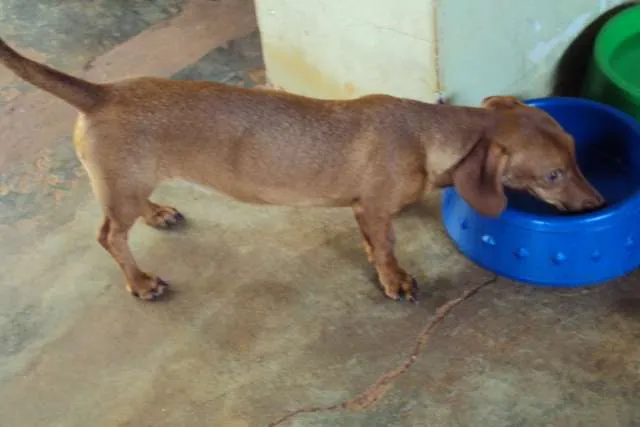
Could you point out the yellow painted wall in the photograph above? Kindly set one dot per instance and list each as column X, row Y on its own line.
column 347, row 48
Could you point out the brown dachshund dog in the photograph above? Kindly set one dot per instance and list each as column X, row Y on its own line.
column 375, row 154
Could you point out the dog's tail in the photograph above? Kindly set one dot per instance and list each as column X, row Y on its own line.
column 80, row 93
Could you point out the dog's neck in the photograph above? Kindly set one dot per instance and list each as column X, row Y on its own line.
column 454, row 131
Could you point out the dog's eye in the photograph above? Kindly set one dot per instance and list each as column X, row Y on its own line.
column 555, row 175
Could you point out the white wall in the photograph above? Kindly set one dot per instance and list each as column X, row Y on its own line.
column 511, row 47
column 347, row 48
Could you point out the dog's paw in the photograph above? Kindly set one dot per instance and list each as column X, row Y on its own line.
column 411, row 292
column 164, row 217
column 406, row 288
column 153, row 289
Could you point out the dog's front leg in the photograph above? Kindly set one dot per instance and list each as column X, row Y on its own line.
column 366, row 239
column 159, row 216
column 379, row 240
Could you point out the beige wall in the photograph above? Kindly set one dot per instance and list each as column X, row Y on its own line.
column 346, row 48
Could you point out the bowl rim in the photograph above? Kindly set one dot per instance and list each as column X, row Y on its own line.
column 604, row 59
column 627, row 206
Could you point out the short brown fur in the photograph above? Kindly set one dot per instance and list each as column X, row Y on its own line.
column 375, row 154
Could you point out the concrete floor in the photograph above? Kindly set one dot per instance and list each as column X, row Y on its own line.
column 274, row 308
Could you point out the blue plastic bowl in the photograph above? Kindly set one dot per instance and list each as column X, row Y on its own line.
column 533, row 243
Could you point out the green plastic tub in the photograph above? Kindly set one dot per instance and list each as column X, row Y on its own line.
column 613, row 76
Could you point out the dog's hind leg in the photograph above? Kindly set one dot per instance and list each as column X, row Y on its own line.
column 124, row 198
column 122, row 204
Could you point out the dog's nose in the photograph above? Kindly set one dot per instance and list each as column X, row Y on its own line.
column 592, row 204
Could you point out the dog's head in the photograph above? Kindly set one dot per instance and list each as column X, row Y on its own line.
column 527, row 150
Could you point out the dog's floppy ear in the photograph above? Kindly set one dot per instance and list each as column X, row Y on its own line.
column 501, row 102
column 478, row 178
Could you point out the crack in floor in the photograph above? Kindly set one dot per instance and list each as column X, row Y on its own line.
column 378, row 389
